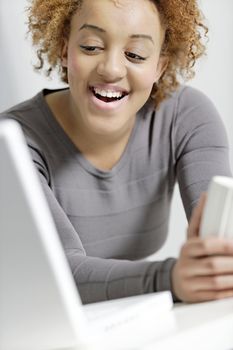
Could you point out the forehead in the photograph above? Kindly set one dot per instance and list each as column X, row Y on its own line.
column 120, row 15
column 125, row 3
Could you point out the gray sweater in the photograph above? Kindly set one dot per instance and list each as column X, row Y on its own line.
column 108, row 221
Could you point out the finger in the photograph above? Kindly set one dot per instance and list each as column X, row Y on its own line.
column 208, row 295
column 212, row 283
column 211, row 266
column 194, row 224
column 197, row 247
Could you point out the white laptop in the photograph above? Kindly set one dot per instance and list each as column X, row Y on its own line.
column 40, row 308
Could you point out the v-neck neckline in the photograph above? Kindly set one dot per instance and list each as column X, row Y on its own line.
column 68, row 143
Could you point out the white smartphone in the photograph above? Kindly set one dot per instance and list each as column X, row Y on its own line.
column 217, row 218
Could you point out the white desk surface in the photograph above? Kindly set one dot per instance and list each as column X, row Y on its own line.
column 200, row 326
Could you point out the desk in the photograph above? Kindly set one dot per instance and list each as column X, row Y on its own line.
column 203, row 326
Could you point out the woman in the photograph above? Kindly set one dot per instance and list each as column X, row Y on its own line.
column 110, row 147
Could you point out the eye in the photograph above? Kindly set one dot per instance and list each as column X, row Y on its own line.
column 134, row 57
column 91, row 49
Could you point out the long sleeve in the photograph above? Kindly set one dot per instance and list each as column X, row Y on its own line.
column 97, row 278
column 102, row 279
column 108, row 222
column 200, row 146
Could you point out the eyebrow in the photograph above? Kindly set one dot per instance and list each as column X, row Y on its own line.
column 91, row 26
column 143, row 36
column 101, row 30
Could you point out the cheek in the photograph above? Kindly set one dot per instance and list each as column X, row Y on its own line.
column 76, row 67
column 144, row 80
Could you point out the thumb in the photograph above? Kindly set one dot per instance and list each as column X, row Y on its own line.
column 195, row 221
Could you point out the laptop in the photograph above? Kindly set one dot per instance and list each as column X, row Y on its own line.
column 40, row 307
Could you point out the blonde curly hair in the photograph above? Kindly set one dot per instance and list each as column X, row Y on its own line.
column 49, row 24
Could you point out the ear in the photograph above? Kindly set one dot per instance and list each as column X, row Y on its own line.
column 64, row 53
column 161, row 67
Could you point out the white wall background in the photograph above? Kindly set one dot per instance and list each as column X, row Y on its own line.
column 214, row 77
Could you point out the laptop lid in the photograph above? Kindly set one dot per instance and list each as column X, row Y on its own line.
column 39, row 308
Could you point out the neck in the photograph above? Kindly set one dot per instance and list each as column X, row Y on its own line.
column 90, row 140
column 104, row 149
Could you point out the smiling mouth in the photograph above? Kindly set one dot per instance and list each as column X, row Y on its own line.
column 108, row 97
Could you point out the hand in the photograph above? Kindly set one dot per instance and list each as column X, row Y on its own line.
column 204, row 269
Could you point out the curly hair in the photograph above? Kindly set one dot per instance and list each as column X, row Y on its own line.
column 49, row 25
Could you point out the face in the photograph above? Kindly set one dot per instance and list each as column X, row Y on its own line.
column 113, row 59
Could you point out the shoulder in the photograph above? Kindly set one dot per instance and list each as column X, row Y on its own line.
column 186, row 98
column 27, row 114
column 188, row 94
column 24, row 111
column 182, row 112
column 186, row 103
column 189, row 108
column 196, row 122
column 185, row 108
column 32, row 115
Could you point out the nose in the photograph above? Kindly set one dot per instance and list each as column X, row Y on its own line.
column 112, row 67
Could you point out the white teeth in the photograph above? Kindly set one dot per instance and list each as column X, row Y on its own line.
column 102, row 93
column 108, row 94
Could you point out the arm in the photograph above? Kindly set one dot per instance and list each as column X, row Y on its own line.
column 201, row 147
column 204, row 269
column 97, row 278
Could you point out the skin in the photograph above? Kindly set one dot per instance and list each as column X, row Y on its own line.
column 204, row 269
column 126, row 59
